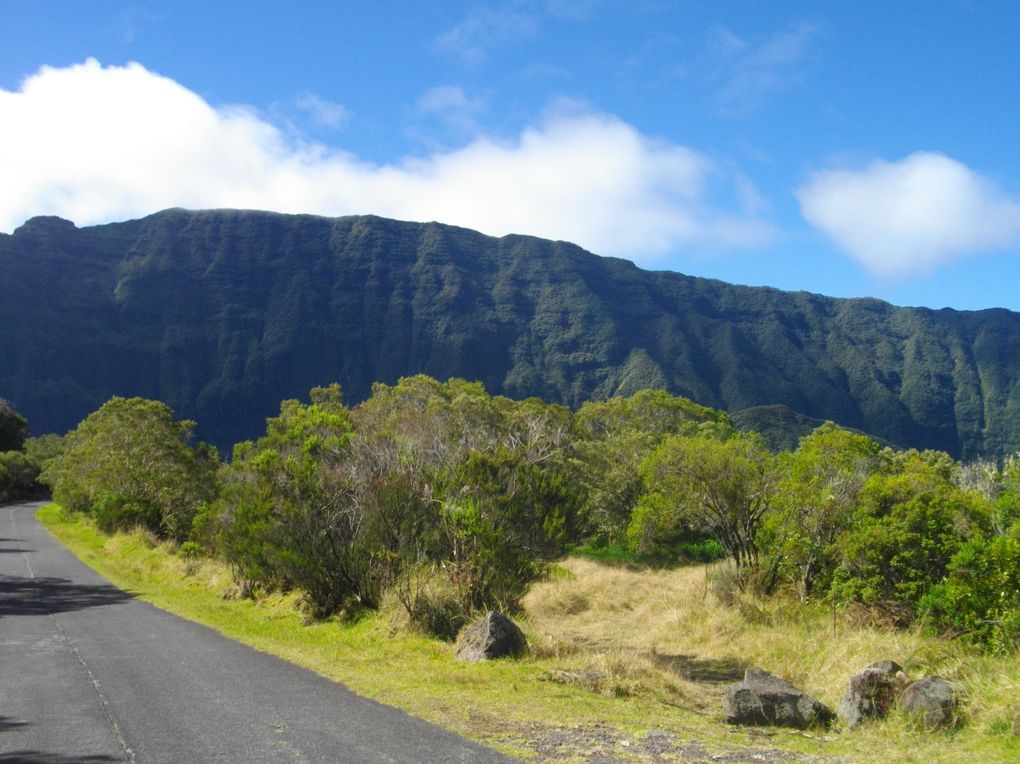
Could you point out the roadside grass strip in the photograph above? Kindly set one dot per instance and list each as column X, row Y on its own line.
column 624, row 664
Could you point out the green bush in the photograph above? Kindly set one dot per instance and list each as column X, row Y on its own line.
column 117, row 512
column 135, row 452
column 910, row 523
column 980, row 596
column 191, row 550
column 289, row 515
column 19, row 477
column 899, row 556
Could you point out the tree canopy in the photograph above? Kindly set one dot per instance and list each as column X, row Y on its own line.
column 13, row 428
column 130, row 462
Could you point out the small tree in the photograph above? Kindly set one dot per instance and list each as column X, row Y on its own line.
column 722, row 483
column 816, row 497
column 131, row 462
column 465, row 491
column 611, row 440
column 290, row 514
column 19, row 477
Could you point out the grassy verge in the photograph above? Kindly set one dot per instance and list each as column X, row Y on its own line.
column 624, row 663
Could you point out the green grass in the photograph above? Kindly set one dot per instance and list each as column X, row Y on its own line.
column 682, row 552
column 654, row 644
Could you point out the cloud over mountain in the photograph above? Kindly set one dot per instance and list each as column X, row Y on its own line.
column 95, row 144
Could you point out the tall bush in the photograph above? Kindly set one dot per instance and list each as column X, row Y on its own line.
column 132, row 453
column 289, row 515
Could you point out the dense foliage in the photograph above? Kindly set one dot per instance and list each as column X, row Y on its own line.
column 129, row 463
column 21, row 458
column 449, row 500
column 13, row 428
column 720, row 482
column 277, row 304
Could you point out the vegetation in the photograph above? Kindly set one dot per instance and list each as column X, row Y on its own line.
column 22, row 458
column 818, row 494
column 278, row 304
column 385, row 528
column 452, row 501
column 129, row 464
column 13, row 428
column 619, row 658
column 721, row 483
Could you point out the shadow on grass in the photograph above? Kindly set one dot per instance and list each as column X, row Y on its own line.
column 697, row 670
column 46, row 596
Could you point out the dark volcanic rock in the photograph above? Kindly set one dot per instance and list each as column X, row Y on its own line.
column 494, row 636
column 763, row 699
column 932, row 700
column 870, row 694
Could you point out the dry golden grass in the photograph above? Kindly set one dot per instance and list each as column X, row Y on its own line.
column 666, row 633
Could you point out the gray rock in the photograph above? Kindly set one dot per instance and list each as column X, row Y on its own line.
column 933, row 701
column 870, row 694
column 763, row 699
column 494, row 636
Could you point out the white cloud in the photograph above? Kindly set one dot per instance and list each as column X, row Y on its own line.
column 445, row 98
column 324, row 113
column 905, row 218
column 747, row 74
column 453, row 108
column 96, row 144
column 484, row 29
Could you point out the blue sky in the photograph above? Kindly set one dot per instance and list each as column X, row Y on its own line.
column 850, row 149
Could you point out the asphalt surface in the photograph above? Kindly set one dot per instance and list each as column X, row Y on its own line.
column 88, row 674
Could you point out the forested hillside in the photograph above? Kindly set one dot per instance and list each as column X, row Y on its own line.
column 222, row 314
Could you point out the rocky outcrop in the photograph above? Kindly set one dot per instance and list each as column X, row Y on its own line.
column 494, row 636
column 763, row 699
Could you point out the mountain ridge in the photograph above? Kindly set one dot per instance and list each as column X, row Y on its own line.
column 223, row 313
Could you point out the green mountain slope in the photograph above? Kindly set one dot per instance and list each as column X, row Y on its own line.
column 222, row 314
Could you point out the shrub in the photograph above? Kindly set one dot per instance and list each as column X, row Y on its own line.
column 117, row 512
column 19, row 477
column 289, row 514
column 911, row 522
column 190, row 550
column 131, row 461
column 980, row 597
column 433, row 604
column 13, row 428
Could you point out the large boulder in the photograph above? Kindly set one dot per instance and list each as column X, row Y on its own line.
column 870, row 693
column 931, row 700
column 763, row 699
column 494, row 636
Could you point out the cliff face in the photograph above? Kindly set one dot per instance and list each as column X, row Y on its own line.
column 222, row 314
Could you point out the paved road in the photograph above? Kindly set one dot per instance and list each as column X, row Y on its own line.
column 88, row 674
